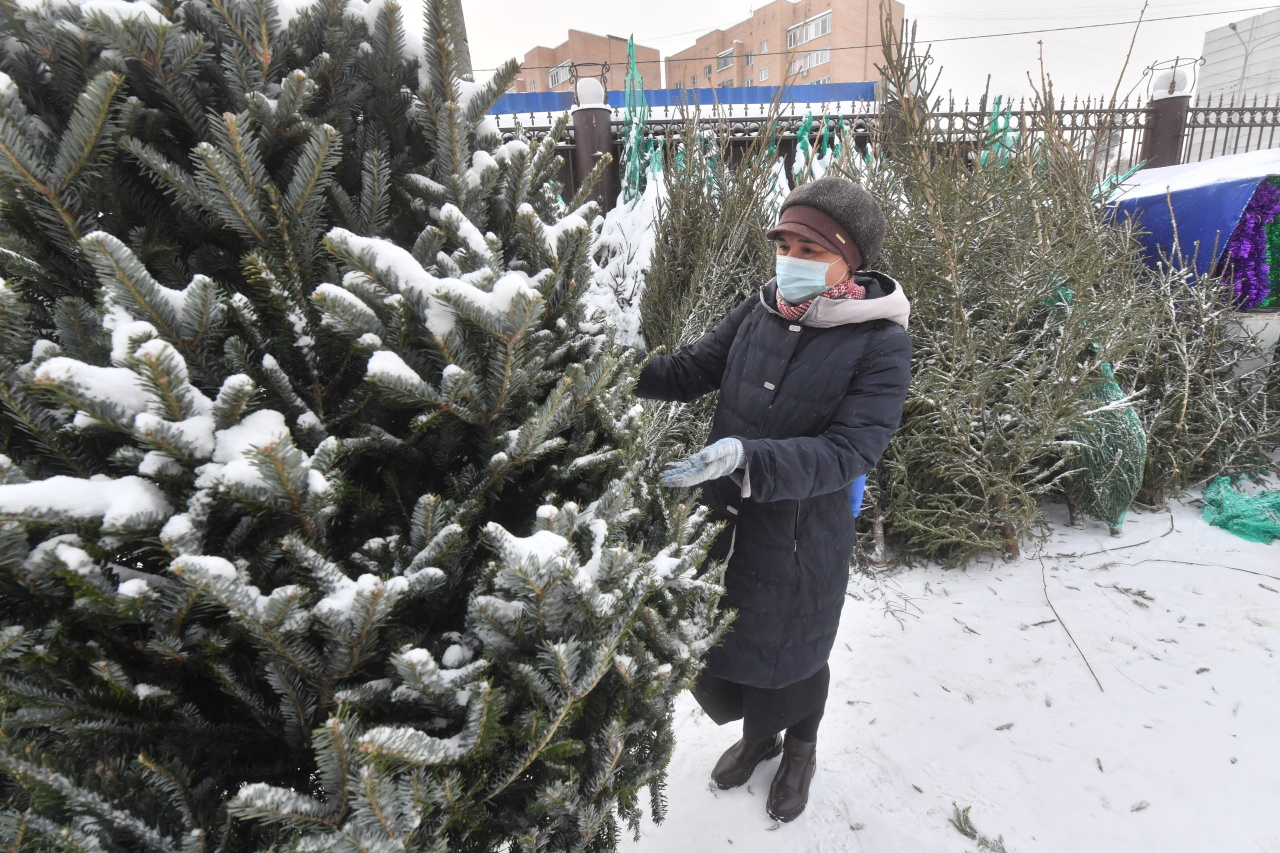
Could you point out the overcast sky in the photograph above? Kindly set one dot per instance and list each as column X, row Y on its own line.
column 1080, row 61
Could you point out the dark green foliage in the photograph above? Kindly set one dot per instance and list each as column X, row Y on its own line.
column 364, row 565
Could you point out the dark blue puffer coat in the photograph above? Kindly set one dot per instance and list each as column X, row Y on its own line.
column 814, row 403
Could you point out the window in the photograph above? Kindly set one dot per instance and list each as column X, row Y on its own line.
column 821, row 56
column 797, row 65
column 694, row 84
column 822, row 80
column 724, row 59
column 764, row 46
column 706, row 71
column 533, row 85
column 809, row 30
column 725, row 84
column 749, row 59
column 749, row 82
column 764, row 74
column 558, row 75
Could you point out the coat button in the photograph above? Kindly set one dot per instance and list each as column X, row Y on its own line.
column 770, row 386
column 794, row 328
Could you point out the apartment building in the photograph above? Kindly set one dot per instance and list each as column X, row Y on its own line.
column 549, row 69
column 1242, row 59
column 788, row 42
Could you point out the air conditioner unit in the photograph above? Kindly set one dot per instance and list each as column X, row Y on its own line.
column 804, row 73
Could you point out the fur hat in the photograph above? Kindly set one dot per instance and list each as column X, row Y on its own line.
column 850, row 205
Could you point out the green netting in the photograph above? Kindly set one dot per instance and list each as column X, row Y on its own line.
column 999, row 141
column 1110, row 456
column 1254, row 517
column 638, row 158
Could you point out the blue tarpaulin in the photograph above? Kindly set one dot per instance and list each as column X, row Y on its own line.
column 813, row 93
column 1203, row 200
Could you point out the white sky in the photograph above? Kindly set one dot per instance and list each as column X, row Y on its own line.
column 1080, row 61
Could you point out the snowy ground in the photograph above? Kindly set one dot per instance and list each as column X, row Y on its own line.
column 979, row 698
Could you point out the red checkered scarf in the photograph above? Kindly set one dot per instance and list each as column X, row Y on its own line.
column 847, row 289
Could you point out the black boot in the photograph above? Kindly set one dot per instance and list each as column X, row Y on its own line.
column 789, row 793
column 736, row 765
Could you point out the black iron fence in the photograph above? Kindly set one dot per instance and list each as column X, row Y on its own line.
column 1114, row 139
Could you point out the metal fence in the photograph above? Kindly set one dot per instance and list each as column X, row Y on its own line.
column 1114, row 139
column 1225, row 127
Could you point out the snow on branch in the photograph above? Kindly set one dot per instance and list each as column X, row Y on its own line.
column 125, row 504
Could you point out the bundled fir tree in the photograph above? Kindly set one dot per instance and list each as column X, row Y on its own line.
column 319, row 506
column 1026, row 298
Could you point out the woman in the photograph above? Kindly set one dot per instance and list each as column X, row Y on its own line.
column 812, row 372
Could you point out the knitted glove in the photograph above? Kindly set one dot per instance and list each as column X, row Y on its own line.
column 716, row 460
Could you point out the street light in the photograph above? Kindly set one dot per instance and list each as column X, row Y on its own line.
column 1244, row 67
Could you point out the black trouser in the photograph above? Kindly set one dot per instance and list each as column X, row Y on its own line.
column 765, row 711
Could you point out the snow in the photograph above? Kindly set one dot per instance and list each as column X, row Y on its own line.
column 981, row 699
column 231, row 465
column 398, row 269
column 388, row 364
column 149, row 691
column 134, row 588
column 128, row 503
column 258, row 429
column 341, row 599
column 544, row 546
column 1235, row 167
column 497, row 301
column 455, row 656
column 467, row 91
column 628, row 236
column 469, row 233
column 117, row 385
column 123, row 10
column 214, row 567
column 196, row 432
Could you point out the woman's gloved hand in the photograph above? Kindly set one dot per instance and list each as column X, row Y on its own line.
column 716, row 460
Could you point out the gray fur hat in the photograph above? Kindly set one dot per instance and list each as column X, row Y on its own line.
column 850, row 205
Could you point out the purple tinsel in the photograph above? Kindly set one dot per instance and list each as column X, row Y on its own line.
column 1246, row 252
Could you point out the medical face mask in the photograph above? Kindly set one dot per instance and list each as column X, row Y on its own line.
column 800, row 280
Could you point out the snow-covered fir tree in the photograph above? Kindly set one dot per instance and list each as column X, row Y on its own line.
column 321, row 525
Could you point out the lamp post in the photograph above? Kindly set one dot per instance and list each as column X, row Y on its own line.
column 1244, row 66
column 1248, row 48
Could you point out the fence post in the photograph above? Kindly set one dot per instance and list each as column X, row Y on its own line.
column 1166, row 124
column 592, row 140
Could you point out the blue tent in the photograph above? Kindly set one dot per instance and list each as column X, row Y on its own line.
column 1196, row 206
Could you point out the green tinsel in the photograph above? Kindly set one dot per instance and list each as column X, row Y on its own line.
column 1273, row 256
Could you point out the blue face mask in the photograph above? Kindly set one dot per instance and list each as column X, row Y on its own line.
column 800, row 280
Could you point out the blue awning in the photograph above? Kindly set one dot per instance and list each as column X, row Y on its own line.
column 1195, row 206
column 813, row 93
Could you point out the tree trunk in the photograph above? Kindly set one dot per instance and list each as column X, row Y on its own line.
column 462, row 47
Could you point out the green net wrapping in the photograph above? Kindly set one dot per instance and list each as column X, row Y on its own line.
column 1110, row 457
column 638, row 147
column 1254, row 517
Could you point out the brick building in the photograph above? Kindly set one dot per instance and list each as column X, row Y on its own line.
column 788, row 41
column 547, row 69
